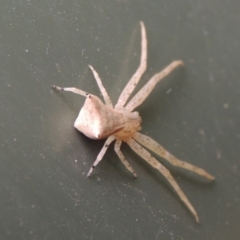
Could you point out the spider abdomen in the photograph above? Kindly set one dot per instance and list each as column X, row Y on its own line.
column 96, row 120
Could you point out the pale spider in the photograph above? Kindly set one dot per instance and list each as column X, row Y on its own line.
column 98, row 120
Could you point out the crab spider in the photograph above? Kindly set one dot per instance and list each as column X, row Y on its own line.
column 97, row 120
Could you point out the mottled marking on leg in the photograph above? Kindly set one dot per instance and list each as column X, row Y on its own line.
column 71, row 89
column 122, row 158
column 164, row 171
column 137, row 75
column 103, row 90
column 101, row 153
column 158, row 149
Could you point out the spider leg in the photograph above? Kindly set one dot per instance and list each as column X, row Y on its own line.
column 164, row 171
column 101, row 153
column 149, row 86
column 122, row 158
column 71, row 89
column 137, row 75
column 107, row 99
column 158, row 149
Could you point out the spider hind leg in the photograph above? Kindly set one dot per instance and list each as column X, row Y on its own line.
column 122, row 158
column 164, row 171
column 101, row 153
column 159, row 150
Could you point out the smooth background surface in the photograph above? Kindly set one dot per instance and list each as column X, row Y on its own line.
column 194, row 114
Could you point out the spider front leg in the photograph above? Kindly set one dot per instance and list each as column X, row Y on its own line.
column 101, row 153
column 122, row 158
column 106, row 97
column 149, row 86
column 71, row 89
column 164, row 171
column 137, row 75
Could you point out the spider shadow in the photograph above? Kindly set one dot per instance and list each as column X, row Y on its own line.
column 165, row 95
column 68, row 99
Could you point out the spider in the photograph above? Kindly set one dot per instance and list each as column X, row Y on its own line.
column 97, row 120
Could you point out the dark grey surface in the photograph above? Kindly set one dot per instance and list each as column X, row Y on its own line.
column 194, row 114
